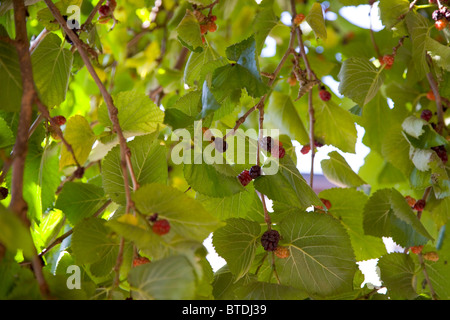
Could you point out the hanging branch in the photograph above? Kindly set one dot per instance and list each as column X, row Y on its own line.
column 18, row 205
column 112, row 110
column 313, row 78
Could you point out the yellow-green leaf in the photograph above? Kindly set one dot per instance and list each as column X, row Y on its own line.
column 316, row 21
column 80, row 136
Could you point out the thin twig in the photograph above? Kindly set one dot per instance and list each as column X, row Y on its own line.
column 312, row 121
column 61, row 238
column 38, row 39
column 427, row 278
column 92, row 14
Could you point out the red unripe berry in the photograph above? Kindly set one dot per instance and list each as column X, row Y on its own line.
column 430, row 95
column 420, row 205
column 416, row 249
column 387, row 60
column 244, row 177
column 104, row 11
column 324, row 95
column 306, row 148
column 440, row 24
column 298, row 19
column 161, row 227
column 59, row 120
column 213, row 18
column 426, row 115
column 140, row 260
column 411, row 201
column 112, row 4
column 212, row 27
column 203, row 28
column 326, row 202
column 281, row 152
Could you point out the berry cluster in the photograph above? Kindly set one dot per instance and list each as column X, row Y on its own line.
column 269, row 240
column 441, row 17
column 106, row 11
column 387, row 60
column 160, row 226
column 417, row 205
column 3, row 193
column 273, row 146
column 306, row 148
column 246, row 176
column 208, row 25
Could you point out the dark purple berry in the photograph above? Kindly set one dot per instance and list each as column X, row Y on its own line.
column 255, row 172
column 420, row 205
column 426, row 115
column 220, row 144
column 3, row 193
column 269, row 240
column 441, row 152
column 153, row 217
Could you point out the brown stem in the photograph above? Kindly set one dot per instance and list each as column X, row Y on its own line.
column 68, row 233
column 112, row 110
column 312, row 122
column 438, row 99
column 92, row 14
column 18, row 204
column 427, row 278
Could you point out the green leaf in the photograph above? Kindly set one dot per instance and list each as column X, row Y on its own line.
column 265, row 20
column 419, row 31
column 257, row 290
column 234, row 206
column 51, row 70
column 137, row 113
column 335, row 126
column 200, row 64
column 352, row 2
column 80, row 200
column 395, row 149
column 360, row 80
column 288, row 186
column 321, row 260
column 316, row 21
column 439, row 53
column 387, row 214
column 6, row 135
column 215, row 180
column 11, row 88
column 237, row 243
column 397, row 271
column 347, row 205
column 337, row 171
column 209, row 102
column 15, row 235
column 79, row 135
column 233, row 77
column 187, row 217
column 91, row 241
column 149, row 164
column 184, row 111
column 188, row 32
column 171, row 278
column 282, row 114
column 413, row 126
column 390, row 10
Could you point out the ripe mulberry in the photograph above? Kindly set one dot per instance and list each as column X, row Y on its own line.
column 269, row 240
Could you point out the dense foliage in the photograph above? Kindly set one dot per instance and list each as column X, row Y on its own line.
column 99, row 99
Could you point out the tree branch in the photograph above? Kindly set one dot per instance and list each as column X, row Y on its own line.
column 20, row 150
column 112, row 110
